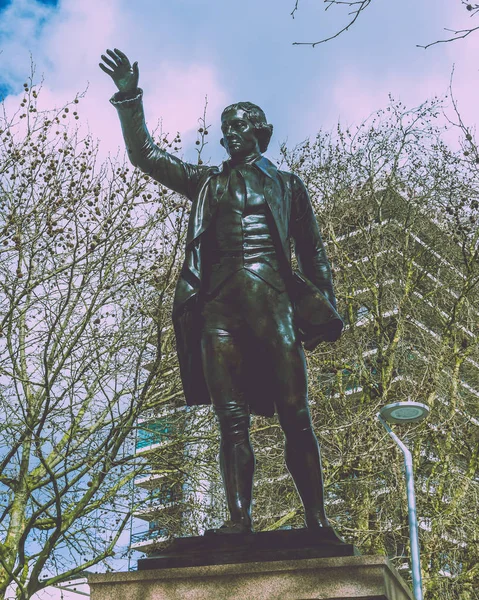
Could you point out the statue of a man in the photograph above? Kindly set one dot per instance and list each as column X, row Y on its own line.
column 238, row 341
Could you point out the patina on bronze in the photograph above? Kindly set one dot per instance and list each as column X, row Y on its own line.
column 239, row 339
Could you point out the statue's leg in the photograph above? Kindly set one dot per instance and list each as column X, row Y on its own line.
column 302, row 452
column 288, row 374
column 304, row 463
column 223, row 369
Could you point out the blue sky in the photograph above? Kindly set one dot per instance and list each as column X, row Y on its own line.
column 228, row 51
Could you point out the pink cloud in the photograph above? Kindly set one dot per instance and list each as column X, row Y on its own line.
column 176, row 93
column 68, row 52
column 357, row 91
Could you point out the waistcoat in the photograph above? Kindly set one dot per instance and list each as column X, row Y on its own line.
column 240, row 233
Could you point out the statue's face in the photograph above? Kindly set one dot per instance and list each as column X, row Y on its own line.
column 239, row 134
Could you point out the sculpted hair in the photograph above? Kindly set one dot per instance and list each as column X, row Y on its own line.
column 256, row 116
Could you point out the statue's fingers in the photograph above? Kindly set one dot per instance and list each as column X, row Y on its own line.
column 103, row 68
column 123, row 56
column 109, row 62
column 116, row 59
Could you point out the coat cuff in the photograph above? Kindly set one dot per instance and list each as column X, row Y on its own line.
column 124, row 99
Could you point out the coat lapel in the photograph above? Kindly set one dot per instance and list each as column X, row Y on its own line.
column 201, row 209
column 278, row 199
column 267, row 167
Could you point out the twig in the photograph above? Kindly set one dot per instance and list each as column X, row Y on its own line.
column 464, row 32
column 363, row 4
column 295, row 8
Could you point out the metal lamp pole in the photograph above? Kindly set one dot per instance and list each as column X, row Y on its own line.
column 408, row 412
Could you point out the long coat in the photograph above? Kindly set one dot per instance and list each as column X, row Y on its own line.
column 286, row 198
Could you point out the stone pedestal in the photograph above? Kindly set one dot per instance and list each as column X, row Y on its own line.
column 332, row 578
column 211, row 549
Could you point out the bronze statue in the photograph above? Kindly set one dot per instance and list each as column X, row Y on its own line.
column 240, row 313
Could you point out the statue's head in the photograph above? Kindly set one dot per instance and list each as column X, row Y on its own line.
column 245, row 129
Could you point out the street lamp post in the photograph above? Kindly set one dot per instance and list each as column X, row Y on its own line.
column 407, row 412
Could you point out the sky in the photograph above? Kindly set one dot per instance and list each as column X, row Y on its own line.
column 228, row 51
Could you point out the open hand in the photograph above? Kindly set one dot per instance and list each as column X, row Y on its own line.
column 121, row 71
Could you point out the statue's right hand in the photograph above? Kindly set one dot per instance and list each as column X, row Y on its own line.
column 121, row 71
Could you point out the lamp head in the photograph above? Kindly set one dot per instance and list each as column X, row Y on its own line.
column 404, row 412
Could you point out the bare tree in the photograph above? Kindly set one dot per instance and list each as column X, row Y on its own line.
column 87, row 262
column 356, row 8
column 398, row 210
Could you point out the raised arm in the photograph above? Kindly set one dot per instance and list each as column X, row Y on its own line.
column 143, row 152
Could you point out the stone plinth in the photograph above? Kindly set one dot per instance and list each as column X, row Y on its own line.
column 333, row 578
column 289, row 544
